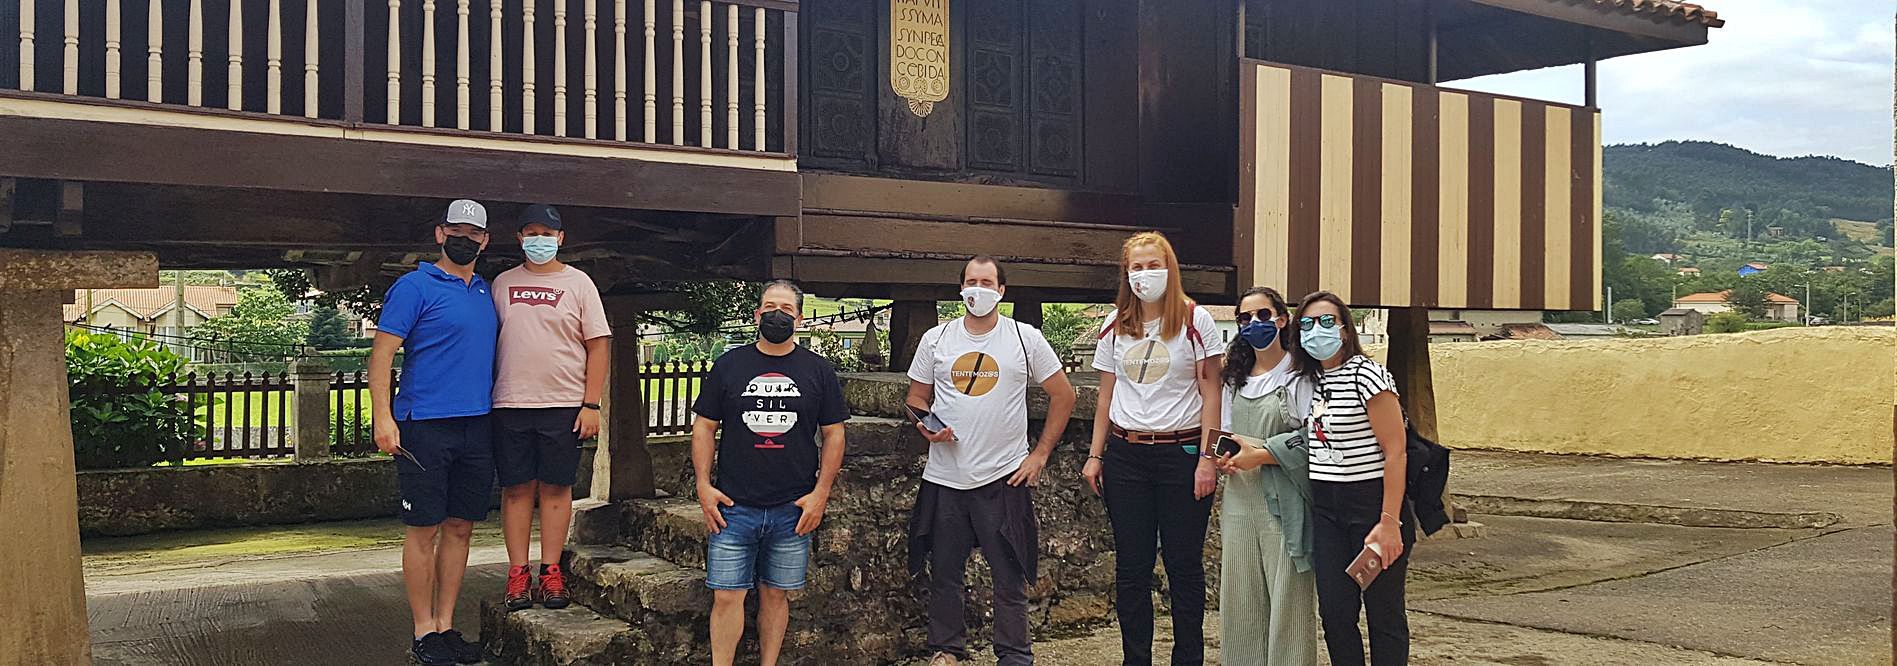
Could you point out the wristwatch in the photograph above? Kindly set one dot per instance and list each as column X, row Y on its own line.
column 590, row 405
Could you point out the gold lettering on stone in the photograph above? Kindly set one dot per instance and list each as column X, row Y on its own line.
column 919, row 52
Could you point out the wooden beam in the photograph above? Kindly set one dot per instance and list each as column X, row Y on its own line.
column 1683, row 33
column 132, row 153
column 70, row 220
column 861, row 193
column 959, row 238
column 1028, row 311
column 1209, row 286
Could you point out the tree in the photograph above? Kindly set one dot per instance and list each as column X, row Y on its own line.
column 329, row 329
column 295, row 285
column 1748, row 299
column 1629, row 309
column 1062, row 324
column 259, row 327
column 1726, row 322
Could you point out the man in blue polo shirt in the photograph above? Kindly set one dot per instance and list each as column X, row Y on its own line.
column 437, row 426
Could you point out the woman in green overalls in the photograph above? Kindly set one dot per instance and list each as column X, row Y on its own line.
column 1267, row 592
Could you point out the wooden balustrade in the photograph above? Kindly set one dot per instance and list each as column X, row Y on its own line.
column 596, row 92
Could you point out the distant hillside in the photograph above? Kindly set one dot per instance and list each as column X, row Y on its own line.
column 1707, row 177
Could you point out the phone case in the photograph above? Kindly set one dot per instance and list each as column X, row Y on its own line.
column 1365, row 568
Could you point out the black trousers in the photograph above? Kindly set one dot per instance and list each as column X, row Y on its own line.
column 1149, row 501
column 965, row 519
column 1344, row 515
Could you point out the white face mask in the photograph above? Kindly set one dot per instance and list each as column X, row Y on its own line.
column 1148, row 285
column 980, row 300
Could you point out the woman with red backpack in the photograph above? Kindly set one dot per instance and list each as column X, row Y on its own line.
column 1158, row 378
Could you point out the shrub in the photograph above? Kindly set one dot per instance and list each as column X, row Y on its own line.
column 117, row 421
column 1726, row 322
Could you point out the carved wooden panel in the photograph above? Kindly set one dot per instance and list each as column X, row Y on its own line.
column 994, row 80
column 1055, row 42
column 841, row 71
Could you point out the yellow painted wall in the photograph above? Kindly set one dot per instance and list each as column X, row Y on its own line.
column 1788, row 395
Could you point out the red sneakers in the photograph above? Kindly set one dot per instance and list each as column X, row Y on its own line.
column 552, row 586
column 519, row 584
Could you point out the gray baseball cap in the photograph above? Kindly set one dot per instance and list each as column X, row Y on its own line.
column 465, row 211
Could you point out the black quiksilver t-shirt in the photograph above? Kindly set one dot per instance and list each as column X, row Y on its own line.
column 770, row 409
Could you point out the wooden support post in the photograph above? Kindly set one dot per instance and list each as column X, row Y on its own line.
column 628, row 464
column 7, row 186
column 72, row 210
column 1028, row 311
column 1416, row 388
column 310, row 381
column 908, row 320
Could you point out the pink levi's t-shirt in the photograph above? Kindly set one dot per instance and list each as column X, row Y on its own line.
column 546, row 318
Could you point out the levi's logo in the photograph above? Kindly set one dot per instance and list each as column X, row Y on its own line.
column 534, row 296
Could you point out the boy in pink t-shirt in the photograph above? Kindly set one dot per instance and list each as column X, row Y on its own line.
column 550, row 373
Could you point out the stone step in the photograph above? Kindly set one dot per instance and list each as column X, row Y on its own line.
column 633, row 586
column 672, row 529
column 571, row 636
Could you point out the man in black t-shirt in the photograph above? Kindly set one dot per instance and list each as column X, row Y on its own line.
column 771, row 486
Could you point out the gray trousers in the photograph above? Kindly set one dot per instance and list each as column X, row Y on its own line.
column 965, row 519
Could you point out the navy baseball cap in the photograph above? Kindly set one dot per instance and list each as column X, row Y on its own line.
column 541, row 214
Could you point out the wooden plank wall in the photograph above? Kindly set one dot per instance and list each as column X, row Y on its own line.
column 1396, row 194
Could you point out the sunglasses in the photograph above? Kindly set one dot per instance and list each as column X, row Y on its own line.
column 1326, row 321
column 1260, row 314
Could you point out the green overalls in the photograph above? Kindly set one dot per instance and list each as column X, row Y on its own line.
column 1267, row 596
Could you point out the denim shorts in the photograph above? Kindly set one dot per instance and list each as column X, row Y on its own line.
column 758, row 544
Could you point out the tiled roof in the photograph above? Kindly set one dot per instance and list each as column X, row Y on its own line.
column 1451, row 328
column 1528, row 332
column 1720, row 297
column 148, row 302
column 1665, row 10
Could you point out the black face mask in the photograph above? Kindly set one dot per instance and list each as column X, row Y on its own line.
column 461, row 250
column 776, row 326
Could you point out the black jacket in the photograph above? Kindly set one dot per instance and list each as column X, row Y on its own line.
column 1428, row 476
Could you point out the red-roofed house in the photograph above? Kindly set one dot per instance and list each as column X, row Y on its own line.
column 1778, row 307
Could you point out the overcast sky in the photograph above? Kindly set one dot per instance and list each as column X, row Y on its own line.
column 1783, row 77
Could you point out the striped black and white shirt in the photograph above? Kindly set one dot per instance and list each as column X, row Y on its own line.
column 1343, row 394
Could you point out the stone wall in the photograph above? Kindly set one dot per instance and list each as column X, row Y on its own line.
column 124, row 502
column 1784, row 395
column 860, row 586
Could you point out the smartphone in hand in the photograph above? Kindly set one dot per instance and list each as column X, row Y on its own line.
column 929, row 420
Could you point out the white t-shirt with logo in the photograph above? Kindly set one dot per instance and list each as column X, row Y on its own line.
column 1155, row 385
column 981, row 384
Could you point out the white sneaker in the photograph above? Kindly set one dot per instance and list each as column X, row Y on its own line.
column 944, row 659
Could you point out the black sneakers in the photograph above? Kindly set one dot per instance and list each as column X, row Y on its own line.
column 464, row 651
column 432, row 650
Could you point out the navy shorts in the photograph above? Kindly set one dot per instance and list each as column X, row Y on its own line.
column 452, row 475
column 537, row 445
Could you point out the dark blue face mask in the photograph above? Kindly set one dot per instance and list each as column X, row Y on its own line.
column 1259, row 333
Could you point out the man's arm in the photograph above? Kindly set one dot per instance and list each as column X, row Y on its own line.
column 1060, row 408
column 704, row 448
column 599, row 354
column 922, row 396
column 388, row 438
column 815, row 503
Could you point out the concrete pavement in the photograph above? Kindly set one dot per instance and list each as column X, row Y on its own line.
column 1534, row 591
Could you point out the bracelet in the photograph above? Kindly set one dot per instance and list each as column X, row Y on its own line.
column 1094, row 457
column 1399, row 521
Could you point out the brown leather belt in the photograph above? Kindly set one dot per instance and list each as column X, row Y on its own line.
column 1185, row 437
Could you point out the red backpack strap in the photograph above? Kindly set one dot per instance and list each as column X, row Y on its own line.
column 1192, row 332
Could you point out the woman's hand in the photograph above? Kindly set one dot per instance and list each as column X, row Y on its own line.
column 1093, row 473
column 1205, row 479
column 1245, row 460
column 1387, row 536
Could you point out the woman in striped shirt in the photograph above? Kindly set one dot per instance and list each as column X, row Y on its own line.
column 1357, row 484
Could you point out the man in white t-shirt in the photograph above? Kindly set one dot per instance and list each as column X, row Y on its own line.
column 973, row 374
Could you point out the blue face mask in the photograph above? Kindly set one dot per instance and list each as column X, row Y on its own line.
column 540, row 249
column 1322, row 343
column 1259, row 333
